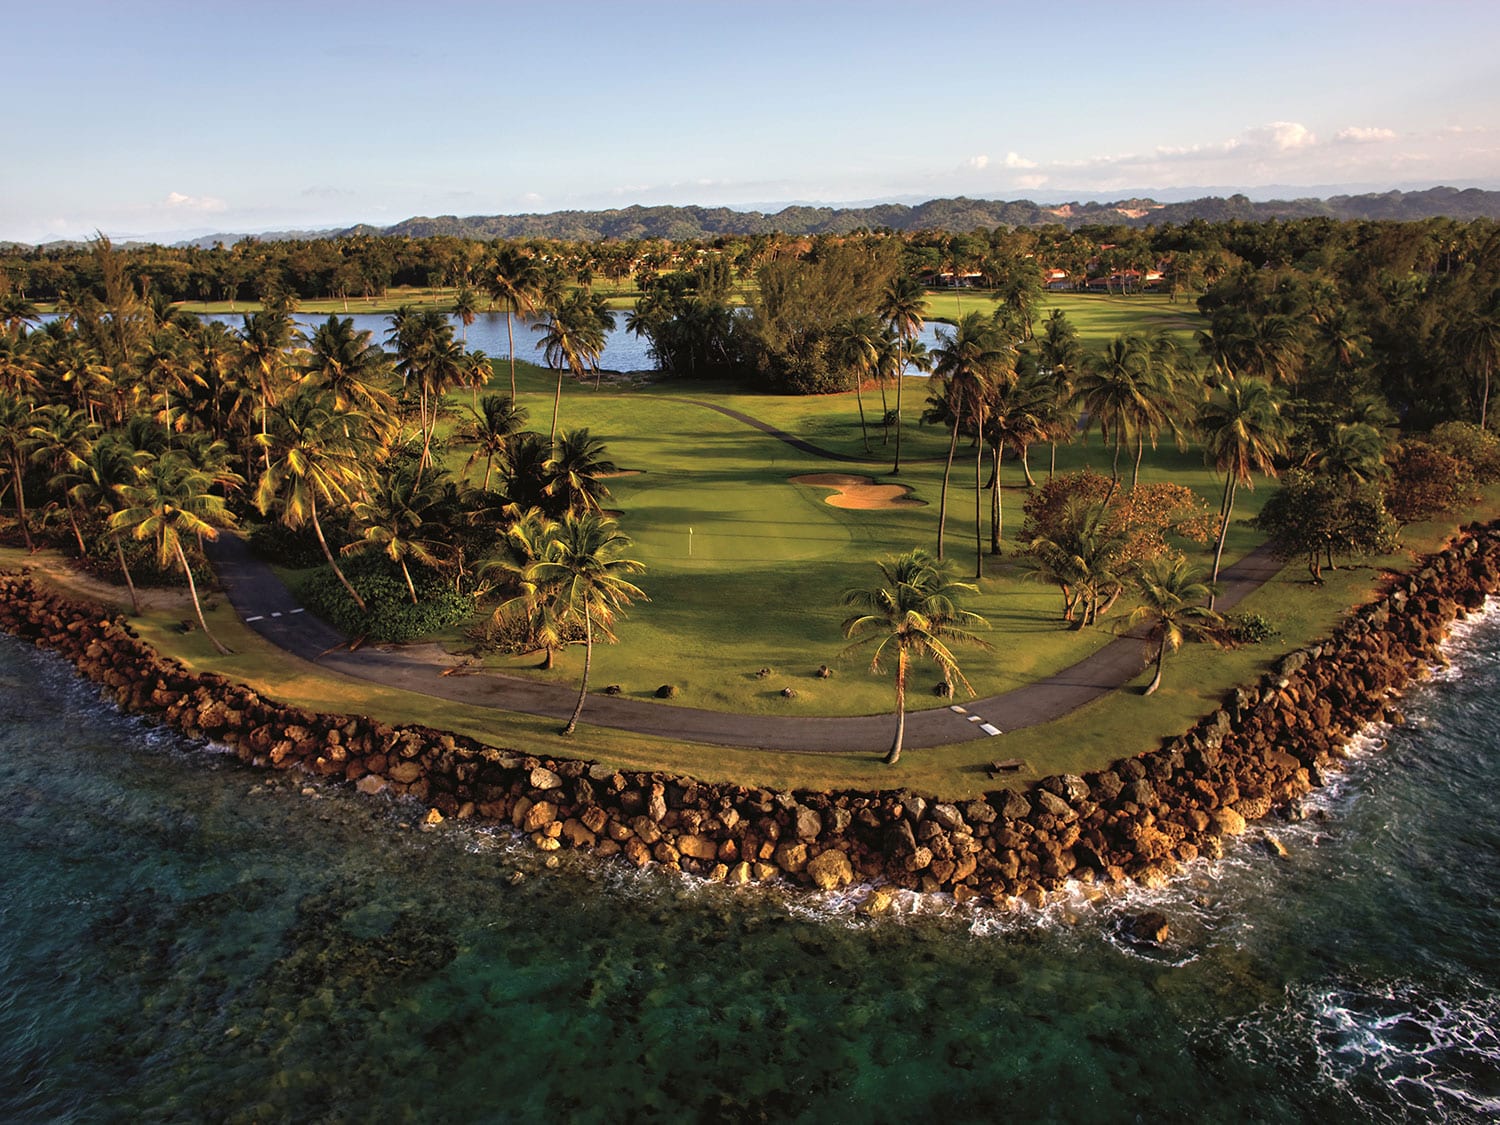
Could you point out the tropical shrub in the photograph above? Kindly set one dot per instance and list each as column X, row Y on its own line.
column 390, row 615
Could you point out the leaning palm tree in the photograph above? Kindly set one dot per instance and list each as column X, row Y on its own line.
column 314, row 454
column 95, row 486
column 513, row 282
column 1244, row 432
column 914, row 613
column 584, row 559
column 1171, row 592
column 171, row 499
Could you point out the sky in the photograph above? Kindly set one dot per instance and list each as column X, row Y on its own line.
column 169, row 119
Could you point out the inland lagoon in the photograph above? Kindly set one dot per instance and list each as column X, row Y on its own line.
column 184, row 938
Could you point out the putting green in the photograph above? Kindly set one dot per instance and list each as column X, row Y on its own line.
column 677, row 520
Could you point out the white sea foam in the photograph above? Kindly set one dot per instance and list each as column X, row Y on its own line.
column 1396, row 1050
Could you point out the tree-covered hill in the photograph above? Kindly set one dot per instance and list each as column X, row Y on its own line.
column 958, row 215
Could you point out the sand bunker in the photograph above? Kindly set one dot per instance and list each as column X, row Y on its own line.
column 860, row 493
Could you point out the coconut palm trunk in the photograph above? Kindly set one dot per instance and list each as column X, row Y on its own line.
column 894, row 755
column 1026, row 465
column 135, row 601
column 327, row 554
column 943, row 495
column 588, row 660
column 510, row 333
column 556, row 406
column 21, row 507
column 1161, row 659
column 996, row 516
column 859, row 399
column 197, row 605
column 1228, row 507
column 978, row 508
column 900, row 371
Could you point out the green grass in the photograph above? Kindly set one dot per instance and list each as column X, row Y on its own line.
column 769, row 562
column 1124, row 723
column 1098, row 317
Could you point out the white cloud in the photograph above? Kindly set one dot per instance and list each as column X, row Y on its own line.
column 1283, row 136
column 1016, row 160
column 179, row 202
column 1363, row 135
column 981, row 161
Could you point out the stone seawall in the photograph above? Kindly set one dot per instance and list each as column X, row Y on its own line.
column 1266, row 746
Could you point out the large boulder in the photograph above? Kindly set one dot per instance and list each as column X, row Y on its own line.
column 830, row 870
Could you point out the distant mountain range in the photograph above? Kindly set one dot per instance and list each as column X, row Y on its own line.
column 957, row 215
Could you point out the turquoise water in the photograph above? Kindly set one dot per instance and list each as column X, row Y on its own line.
column 184, row 939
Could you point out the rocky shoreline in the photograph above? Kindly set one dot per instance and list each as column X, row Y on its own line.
column 1265, row 747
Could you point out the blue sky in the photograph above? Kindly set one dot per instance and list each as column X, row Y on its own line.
column 156, row 118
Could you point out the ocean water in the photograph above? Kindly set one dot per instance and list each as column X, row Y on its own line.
column 185, row 939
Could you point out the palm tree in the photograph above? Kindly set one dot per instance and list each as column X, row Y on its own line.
column 573, row 338
column 1478, row 339
column 18, row 420
column 170, row 499
column 915, row 613
column 466, row 308
column 477, row 372
column 18, row 364
column 513, row 282
column 576, row 470
column 1161, row 398
column 392, row 518
column 1084, row 557
column 523, row 470
column 1171, row 591
column 1353, row 455
column 583, row 558
column 264, row 341
column 538, row 608
column 429, row 359
column 496, row 422
column 1060, row 357
column 63, row 437
column 348, row 363
column 856, row 346
column 973, row 358
column 317, row 455
column 1016, row 416
column 1244, row 432
column 902, row 306
column 95, row 485
column 1110, row 389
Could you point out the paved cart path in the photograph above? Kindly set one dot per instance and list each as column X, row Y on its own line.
column 267, row 606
